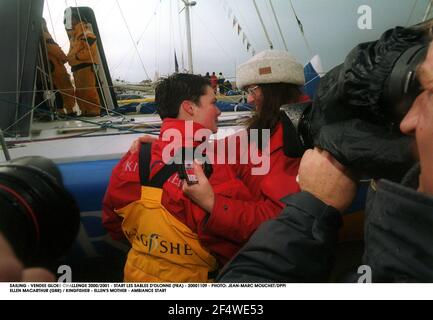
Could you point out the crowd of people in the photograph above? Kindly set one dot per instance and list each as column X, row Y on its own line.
column 219, row 221
column 219, row 83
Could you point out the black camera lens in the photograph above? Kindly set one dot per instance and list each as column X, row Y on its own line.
column 38, row 217
column 296, row 128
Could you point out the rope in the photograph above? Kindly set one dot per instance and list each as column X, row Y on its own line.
column 102, row 125
column 271, row 46
column 213, row 36
column 272, row 25
column 138, row 41
column 307, row 83
column 180, row 35
column 130, row 35
column 37, row 106
column 4, row 146
column 428, row 10
column 51, row 21
column 411, row 12
column 25, row 115
column 278, row 25
column 21, row 72
column 30, row 91
column 46, row 76
column 253, row 40
column 301, row 28
column 17, row 84
column 84, row 134
column 158, row 42
column 89, row 102
column 148, row 24
column 171, row 46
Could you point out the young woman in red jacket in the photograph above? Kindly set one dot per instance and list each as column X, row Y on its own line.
column 272, row 78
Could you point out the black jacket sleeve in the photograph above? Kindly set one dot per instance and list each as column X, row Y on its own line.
column 399, row 234
column 298, row 246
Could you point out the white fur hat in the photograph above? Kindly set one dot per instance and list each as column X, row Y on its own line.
column 270, row 66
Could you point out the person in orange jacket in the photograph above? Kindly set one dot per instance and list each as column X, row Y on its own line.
column 84, row 59
column 59, row 76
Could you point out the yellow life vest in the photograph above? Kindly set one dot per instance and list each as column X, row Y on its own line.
column 163, row 248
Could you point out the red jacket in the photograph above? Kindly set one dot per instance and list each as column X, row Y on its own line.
column 236, row 213
column 124, row 188
column 241, row 218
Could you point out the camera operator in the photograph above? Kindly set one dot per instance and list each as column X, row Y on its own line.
column 299, row 245
column 12, row 270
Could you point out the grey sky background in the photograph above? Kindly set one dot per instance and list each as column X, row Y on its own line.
column 158, row 30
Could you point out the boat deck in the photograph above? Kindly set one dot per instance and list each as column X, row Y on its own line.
column 102, row 138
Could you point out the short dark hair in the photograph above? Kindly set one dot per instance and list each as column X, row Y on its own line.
column 172, row 91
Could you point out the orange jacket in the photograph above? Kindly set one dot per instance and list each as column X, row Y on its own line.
column 55, row 53
column 83, row 48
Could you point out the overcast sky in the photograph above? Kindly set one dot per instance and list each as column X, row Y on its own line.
column 157, row 28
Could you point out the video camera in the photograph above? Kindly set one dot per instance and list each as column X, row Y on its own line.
column 38, row 217
column 359, row 105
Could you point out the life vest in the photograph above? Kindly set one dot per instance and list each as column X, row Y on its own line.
column 163, row 248
column 55, row 53
column 83, row 49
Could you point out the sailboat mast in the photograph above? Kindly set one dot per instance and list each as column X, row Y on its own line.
column 188, row 33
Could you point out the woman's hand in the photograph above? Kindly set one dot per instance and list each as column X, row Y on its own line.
column 135, row 147
column 201, row 193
